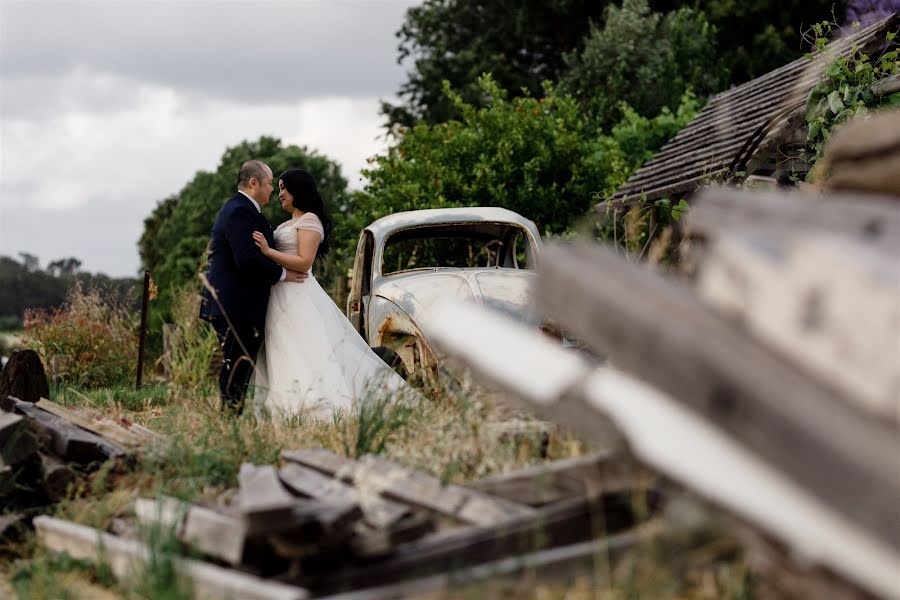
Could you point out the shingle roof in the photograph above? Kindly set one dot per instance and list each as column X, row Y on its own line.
column 725, row 135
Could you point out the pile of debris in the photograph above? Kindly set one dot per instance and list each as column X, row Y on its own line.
column 324, row 524
column 46, row 448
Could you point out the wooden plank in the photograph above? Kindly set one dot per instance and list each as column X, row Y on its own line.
column 572, row 558
column 56, row 477
column 214, row 534
column 404, row 485
column 824, row 301
column 67, row 441
column 670, row 437
column 262, row 500
column 593, row 475
column 16, row 439
column 652, row 328
column 721, row 210
column 558, row 524
column 206, row 581
column 378, row 511
column 105, row 428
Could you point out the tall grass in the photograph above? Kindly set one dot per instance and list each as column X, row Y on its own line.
column 191, row 344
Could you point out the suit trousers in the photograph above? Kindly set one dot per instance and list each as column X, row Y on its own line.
column 239, row 348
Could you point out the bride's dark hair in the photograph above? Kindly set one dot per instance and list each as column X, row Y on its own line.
column 302, row 186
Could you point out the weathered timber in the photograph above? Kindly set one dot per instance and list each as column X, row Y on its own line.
column 371, row 542
column 574, row 558
column 262, row 500
column 418, row 489
column 592, row 476
column 214, row 534
column 789, row 420
column 559, row 524
column 864, row 156
column 105, row 428
column 24, row 377
column 17, row 442
column 56, row 477
column 206, row 581
column 67, row 441
column 311, row 483
column 719, row 211
column 669, row 436
column 828, row 303
column 321, row 527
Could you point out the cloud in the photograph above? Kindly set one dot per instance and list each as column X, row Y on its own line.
column 250, row 52
column 77, row 169
column 108, row 107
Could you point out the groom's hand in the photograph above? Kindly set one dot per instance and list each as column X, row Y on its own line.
column 296, row 276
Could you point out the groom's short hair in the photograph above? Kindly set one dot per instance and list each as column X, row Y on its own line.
column 250, row 169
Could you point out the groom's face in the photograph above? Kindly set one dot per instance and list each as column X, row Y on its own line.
column 265, row 189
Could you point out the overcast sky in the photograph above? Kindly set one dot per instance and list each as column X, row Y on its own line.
column 107, row 107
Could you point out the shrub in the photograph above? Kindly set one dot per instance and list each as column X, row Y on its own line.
column 87, row 343
column 525, row 154
column 192, row 343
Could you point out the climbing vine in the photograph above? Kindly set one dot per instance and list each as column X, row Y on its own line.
column 845, row 91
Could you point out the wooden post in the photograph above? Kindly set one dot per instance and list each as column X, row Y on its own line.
column 143, row 332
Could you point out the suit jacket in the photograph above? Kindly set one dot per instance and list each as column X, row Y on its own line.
column 237, row 270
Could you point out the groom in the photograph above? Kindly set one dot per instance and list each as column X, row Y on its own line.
column 241, row 277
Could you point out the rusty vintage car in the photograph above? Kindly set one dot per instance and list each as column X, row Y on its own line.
column 407, row 262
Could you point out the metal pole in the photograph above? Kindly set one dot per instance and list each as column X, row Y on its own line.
column 142, row 334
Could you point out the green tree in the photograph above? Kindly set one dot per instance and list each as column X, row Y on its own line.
column 757, row 36
column 536, row 156
column 176, row 234
column 645, row 59
column 520, row 43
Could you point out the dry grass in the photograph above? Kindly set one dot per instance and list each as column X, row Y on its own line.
column 456, row 437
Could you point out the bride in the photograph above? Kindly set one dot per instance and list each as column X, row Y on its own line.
column 312, row 361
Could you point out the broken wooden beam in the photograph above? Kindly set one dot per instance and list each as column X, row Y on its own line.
column 105, row 428
column 825, row 302
column 671, row 437
column 308, row 482
column 17, row 442
column 592, row 475
column 67, row 441
column 56, row 477
column 206, row 581
column 418, row 489
column 660, row 332
column 562, row 523
column 865, row 218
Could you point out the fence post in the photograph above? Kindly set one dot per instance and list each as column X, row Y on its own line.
column 143, row 331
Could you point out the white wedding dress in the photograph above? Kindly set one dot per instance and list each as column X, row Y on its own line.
column 312, row 362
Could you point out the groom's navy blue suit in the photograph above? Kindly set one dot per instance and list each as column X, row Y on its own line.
column 242, row 278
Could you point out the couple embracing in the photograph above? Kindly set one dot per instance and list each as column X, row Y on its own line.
column 269, row 312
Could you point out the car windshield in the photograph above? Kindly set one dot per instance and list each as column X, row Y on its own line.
column 461, row 246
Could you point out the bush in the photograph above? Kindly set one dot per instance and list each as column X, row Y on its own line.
column 525, row 154
column 88, row 342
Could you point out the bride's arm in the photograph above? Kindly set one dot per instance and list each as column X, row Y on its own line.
column 307, row 245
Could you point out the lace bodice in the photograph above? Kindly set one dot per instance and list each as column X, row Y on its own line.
column 286, row 233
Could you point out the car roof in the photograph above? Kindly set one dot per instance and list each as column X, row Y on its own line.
column 438, row 216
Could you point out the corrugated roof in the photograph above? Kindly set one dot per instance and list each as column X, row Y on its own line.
column 724, row 136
